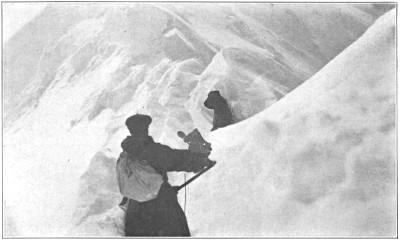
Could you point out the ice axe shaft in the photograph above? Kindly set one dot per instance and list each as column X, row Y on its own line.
column 195, row 176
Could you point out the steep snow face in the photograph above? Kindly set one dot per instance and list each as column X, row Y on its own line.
column 78, row 70
column 91, row 33
column 320, row 162
column 12, row 24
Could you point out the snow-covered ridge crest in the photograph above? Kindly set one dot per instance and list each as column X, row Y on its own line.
column 319, row 162
column 137, row 30
column 93, row 65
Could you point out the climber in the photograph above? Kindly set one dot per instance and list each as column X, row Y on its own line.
column 222, row 113
column 161, row 216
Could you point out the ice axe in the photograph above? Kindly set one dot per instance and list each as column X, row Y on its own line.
column 196, row 176
column 199, row 145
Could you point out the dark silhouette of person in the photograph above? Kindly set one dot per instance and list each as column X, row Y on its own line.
column 162, row 216
column 222, row 113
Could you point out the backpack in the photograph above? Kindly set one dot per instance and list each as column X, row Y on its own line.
column 137, row 179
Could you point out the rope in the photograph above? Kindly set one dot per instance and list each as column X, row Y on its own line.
column 185, row 196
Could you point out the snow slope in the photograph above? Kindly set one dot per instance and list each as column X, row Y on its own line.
column 76, row 71
column 320, row 162
column 147, row 32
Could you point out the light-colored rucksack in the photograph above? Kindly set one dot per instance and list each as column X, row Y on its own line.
column 137, row 179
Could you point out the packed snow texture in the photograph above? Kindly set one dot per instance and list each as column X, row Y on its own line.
column 317, row 162
column 320, row 162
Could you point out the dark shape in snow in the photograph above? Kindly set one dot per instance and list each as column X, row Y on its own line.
column 222, row 113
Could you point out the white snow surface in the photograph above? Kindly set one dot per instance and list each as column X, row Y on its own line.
column 320, row 162
column 316, row 161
